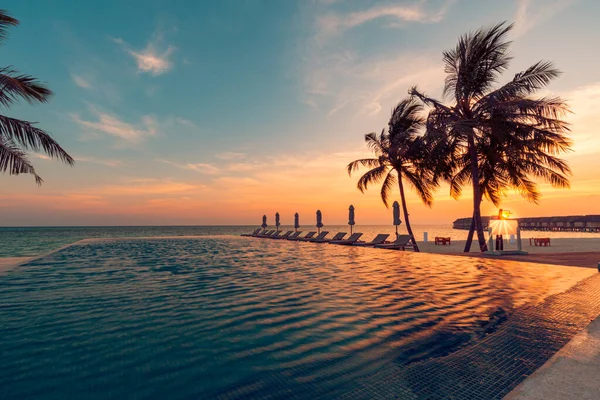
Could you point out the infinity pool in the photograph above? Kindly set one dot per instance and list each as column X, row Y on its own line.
column 215, row 317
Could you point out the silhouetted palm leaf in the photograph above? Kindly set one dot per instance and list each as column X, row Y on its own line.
column 14, row 87
column 6, row 21
column 14, row 161
column 15, row 134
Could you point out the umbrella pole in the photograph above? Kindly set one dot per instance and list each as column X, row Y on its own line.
column 351, row 229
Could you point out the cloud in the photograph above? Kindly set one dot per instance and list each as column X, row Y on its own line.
column 369, row 86
column 111, row 125
column 150, row 60
column 203, row 168
column 185, row 122
column 155, row 58
column 337, row 75
column 41, row 156
column 332, row 23
column 230, row 155
column 145, row 186
column 81, row 81
column 101, row 161
column 529, row 16
column 584, row 103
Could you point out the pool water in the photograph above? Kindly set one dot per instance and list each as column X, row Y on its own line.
column 200, row 317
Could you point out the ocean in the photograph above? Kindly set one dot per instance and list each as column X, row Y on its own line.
column 32, row 241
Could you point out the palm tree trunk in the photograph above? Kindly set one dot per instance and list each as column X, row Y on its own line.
column 476, row 193
column 470, row 235
column 403, row 200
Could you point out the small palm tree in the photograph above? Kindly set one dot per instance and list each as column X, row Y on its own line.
column 16, row 135
column 401, row 155
column 495, row 139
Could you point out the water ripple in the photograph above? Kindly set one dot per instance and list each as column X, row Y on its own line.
column 190, row 318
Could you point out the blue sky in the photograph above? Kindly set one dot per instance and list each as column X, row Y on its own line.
column 208, row 112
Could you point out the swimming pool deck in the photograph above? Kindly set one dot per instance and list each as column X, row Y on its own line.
column 572, row 373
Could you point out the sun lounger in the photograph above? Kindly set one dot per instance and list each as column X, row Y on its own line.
column 294, row 235
column 256, row 232
column 308, row 236
column 284, row 236
column 337, row 236
column 266, row 234
column 320, row 237
column 402, row 242
column 379, row 239
column 351, row 240
column 275, row 235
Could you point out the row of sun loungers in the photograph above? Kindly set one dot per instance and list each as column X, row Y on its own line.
column 402, row 242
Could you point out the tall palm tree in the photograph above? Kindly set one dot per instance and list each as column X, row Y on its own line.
column 16, row 135
column 400, row 157
column 473, row 134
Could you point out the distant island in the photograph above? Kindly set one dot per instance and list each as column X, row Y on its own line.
column 571, row 223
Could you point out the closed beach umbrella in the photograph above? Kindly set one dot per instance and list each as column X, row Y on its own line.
column 319, row 221
column 277, row 221
column 396, row 209
column 351, row 218
column 296, row 222
column 264, row 224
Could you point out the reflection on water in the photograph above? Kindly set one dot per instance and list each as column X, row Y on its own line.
column 187, row 318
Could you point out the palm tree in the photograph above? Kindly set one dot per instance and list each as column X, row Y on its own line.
column 478, row 136
column 16, row 135
column 400, row 156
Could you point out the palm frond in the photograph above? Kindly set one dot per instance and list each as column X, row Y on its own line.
column 365, row 162
column 423, row 184
column 14, row 161
column 536, row 77
column 371, row 177
column 6, row 21
column 376, row 143
column 386, row 187
column 407, row 118
column 14, row 87
column 27, row 135
column 475, row 63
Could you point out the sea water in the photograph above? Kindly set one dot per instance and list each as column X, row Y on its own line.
column 31, row 241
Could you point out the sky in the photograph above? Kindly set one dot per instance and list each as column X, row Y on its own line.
column 217, row 112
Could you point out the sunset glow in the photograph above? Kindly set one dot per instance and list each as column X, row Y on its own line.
column 201, row 115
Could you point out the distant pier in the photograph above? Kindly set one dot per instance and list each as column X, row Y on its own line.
column 573, row 223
